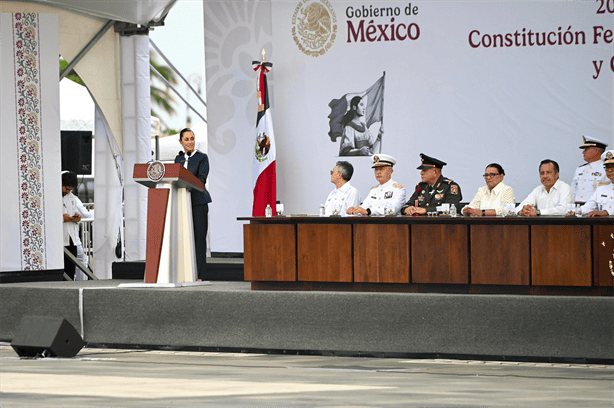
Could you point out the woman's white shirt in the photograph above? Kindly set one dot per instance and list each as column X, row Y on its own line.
column 496, row 199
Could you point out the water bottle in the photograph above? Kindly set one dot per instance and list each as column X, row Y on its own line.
column 453, row 210
column 268, row 212
column 322, row 210
column 578, row 210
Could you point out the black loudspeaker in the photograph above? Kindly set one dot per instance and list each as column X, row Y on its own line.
column 47, row 337
column 77, row 151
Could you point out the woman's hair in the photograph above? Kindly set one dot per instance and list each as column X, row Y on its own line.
column 349, row 115
column 183, row 131
column 498, row 167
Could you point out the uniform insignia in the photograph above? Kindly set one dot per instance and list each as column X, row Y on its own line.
column 605, row 183
column 374, row 187
column 388, row 194
column 397, row 185
column 454, row 189
column 438, row 196
column 609, row 155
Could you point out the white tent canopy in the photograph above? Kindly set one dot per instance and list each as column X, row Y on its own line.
column 142, row 12
column 115, row 69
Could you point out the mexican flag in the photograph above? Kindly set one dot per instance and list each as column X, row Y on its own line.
column 264, row 178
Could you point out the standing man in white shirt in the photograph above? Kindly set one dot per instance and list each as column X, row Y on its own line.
column 344, row 195
column 588, row 176
column 551, row 198
column 387, row 197
column 71, row 217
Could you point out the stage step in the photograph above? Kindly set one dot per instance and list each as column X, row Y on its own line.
column 218, row 269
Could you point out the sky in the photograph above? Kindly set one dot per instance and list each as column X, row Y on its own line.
column 182, row 40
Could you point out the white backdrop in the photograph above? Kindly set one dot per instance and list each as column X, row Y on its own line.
column 466, row 105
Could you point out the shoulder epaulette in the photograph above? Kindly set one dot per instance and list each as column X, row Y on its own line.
column 605, row 183
column 374, row 187
column 397, row 185
column 585, row 164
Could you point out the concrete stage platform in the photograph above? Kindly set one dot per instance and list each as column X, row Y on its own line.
column 229, row 316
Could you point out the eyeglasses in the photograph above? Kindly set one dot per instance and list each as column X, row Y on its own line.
column 333, row 172
column 488, row 175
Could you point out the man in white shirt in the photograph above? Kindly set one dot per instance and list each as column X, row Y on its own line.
column 81, row 255
column 344, row 195
column 387, row 197
column 71, row 218
column 551, row 198
column 588, row 176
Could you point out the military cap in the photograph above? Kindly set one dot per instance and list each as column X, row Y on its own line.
column 430, row 162
column 608, row 157
column 380, row 160
column 592, row 142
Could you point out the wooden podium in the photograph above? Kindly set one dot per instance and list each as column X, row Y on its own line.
column 170, row 259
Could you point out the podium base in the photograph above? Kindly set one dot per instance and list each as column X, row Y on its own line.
column 163, row 285
column 197, row 283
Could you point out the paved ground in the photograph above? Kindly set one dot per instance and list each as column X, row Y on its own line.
column 111, row 377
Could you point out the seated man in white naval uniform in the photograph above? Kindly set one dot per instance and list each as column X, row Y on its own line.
column 601, row 203
column 588, row 176
column 344, row 195
column 387, row 197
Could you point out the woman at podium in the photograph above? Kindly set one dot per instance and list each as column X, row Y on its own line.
column 197, row 163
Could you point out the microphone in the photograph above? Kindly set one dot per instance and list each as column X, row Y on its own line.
column 189, row 154
column 181, row 153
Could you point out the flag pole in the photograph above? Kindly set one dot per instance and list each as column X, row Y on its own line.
column 264, row 165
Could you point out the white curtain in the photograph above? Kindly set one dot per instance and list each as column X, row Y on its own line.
column 31, row 203
column 108, row 187
column 136, row 119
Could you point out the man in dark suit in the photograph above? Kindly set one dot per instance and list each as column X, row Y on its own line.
column 197, row 163
column 433, row 190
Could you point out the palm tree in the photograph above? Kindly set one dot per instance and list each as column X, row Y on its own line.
column 161, row 97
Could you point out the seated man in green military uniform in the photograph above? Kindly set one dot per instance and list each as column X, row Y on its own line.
column 434, row 189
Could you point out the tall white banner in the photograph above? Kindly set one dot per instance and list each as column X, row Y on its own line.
column 31, row 204
column 469, row 83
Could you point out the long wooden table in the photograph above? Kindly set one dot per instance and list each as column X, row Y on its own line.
column 512, row 255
